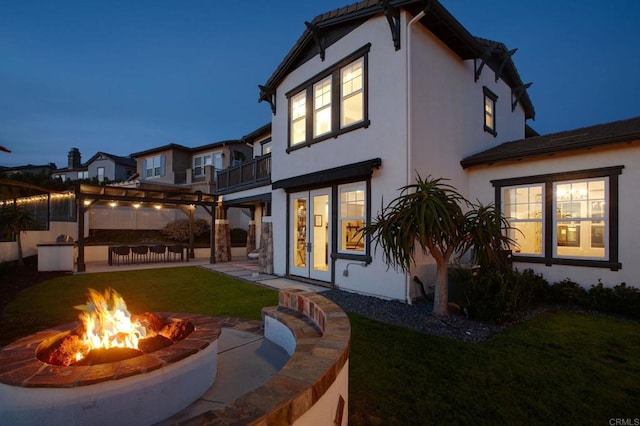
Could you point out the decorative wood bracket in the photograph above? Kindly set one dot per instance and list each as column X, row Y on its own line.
column 483, row 60
column 315, row 33
column 268, row 95
column 505, row 58
column 393, row 18
column 517, row 93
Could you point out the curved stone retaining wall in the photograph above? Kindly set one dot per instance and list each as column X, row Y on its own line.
column 313, row 387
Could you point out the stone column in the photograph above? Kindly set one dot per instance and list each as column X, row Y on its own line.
column 265, row 258
column 223, row 241
column 251, row 236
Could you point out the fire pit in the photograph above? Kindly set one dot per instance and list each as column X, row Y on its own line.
column 52, row 378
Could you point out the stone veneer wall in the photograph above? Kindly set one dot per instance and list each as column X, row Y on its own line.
column 265, row 258
column 251, row 236
column 223, row 241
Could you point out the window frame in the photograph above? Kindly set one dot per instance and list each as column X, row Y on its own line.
column 534, row 220
column 492, row 98
column 352, row 186
column 203, row 159
column 149, row 164
column 550, row 256
column 307, row 89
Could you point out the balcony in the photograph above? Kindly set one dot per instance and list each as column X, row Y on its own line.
column 255, row 172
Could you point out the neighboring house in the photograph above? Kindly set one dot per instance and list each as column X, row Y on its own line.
column 102, row 167
column 195, row 168
column 44, row 169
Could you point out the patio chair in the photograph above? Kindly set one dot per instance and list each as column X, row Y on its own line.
column 175, row 251
column 122, row 253
column 157, row 252
column 140, row 254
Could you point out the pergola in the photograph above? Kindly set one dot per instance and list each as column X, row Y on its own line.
column 167, row 197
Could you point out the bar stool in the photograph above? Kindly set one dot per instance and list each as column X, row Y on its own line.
column 122, row 252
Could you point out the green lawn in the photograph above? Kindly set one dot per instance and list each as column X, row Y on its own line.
column 560, row 368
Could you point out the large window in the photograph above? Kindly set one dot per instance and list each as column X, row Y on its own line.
column 100, row 174
column 352, row 216
column 581, row 220
column 566, row 218
column 338, row 102
column 523, row 206
column 154, row 166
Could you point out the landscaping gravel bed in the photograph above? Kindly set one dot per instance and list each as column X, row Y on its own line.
column 416, row 316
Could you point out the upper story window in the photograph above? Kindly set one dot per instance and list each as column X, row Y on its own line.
column 199, row 163
column 298, row 118
column 322, row 107
column 566, row 218
column 331, row 103
column 266, row 146
column 352, row 96
column 154, row 166
column 490, row 99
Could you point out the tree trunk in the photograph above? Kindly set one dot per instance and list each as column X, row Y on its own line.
column 441, row 296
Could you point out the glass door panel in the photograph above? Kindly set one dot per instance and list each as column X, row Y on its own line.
column 320, row 240
column 310, row 234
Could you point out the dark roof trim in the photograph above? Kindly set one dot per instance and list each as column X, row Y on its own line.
column 242, row 202
column 257, row 133
column 578, row 139
column 362, row 169
column 160, row 148
column 438, row 20
column 174, row 146
column 556, row 177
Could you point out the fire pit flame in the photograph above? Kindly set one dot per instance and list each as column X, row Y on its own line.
column 107, row 323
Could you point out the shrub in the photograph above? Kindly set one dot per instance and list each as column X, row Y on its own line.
column 567, row 292
column 499, row 296
column 619, row 300
column 178, row 230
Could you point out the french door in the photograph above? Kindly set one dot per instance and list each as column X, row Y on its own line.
column 310, row 234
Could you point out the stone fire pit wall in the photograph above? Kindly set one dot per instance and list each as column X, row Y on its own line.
column 313, row 387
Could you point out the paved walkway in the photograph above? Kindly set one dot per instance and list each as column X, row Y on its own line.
column 246, row 360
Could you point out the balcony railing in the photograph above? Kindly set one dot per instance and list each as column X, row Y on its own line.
column 252, row 172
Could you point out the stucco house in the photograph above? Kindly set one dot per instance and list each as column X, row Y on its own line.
column 101, row 166
column 375, row 92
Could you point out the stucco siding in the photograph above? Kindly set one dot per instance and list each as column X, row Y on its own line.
column 627, row 155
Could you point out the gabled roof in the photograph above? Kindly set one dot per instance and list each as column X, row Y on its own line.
column 175, row 146
column 578, row 139
column 160, row 148
column 215, row 145
column 123, row 161
column 336, row 24
column 257, row 133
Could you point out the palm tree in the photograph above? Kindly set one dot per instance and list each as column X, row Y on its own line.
column 15, row 219
column 428, row 216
